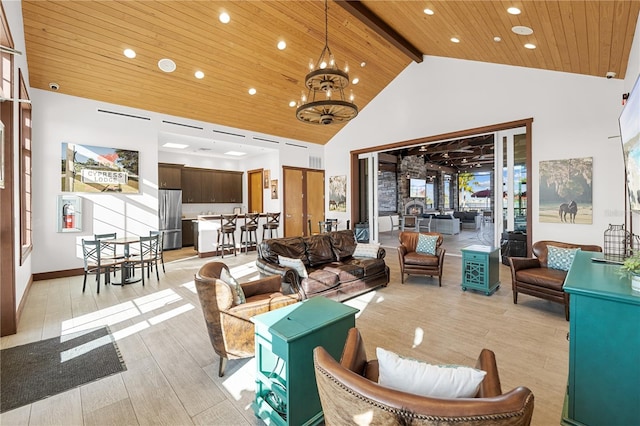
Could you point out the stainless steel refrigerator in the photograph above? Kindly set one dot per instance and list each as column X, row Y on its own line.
column 170, row 212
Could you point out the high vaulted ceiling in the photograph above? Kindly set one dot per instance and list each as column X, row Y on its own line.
column 79, row 45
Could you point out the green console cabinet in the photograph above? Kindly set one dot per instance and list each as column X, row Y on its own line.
column 604, row 345
column 480, row 268
column 286, row 391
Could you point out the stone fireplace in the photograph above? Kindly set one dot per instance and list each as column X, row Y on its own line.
column 415, row 207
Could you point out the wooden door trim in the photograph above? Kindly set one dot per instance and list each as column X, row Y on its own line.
column 8, row 312
column 527, row 123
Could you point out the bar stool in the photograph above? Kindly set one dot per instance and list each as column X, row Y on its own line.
column 273, row 222
column 227, row 232
column 249, row 231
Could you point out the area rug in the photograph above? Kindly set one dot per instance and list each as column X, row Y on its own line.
column 37, row 370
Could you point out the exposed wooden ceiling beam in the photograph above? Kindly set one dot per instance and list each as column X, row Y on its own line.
column 384, row 30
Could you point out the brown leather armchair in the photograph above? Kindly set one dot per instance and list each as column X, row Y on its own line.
column 348, row 390
column 230, row 329
column 532, row 276
column 413, row 263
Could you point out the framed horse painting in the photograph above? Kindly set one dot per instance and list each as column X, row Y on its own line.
column 566, row 191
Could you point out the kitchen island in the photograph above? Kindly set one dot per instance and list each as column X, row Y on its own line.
column 206, row 232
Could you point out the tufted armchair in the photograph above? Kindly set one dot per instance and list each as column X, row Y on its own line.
column 350, row 394
column 532, row 276
column 414, row 263
column 229, row 325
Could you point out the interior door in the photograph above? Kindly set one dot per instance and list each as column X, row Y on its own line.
column 255, row 191
column 314, row 190
column 293, row 205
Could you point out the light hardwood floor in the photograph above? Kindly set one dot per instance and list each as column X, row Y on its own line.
column 171, row 368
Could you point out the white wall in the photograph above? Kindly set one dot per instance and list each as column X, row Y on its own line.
column 574, row 116
column 60, row 118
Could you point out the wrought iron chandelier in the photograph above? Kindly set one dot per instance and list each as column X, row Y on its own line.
column 325, row 102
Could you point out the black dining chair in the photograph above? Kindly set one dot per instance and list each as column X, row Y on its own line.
column 96, row 264
column 108, row 251
column 160, row 235
column 146, row 257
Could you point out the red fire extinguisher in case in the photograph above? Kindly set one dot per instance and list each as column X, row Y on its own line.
column 68, row 216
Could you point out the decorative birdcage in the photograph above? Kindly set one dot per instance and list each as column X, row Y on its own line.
column 616, row 243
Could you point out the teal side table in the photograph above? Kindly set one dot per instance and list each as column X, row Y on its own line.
column 480, row 268
column 286, row 390
column 604, row 345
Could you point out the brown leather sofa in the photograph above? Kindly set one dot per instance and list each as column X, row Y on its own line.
column 532, row 276
column 348, row 390
column 229, row 325
column 414, row 263
column 332, row 270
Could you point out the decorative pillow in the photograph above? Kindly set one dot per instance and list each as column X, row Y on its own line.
column 427, row 244
column 560, row 258
column 366, row 250
column 236, row 289
column 296, row 264
column 420, row 378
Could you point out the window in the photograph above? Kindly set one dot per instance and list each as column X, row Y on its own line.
column 25, row 172
column 431, row 194
column 448, row 199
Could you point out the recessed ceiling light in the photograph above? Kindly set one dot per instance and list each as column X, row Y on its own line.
column 199, row 74
column 363, row 64
column 356, row 80
column 513, row 11
column 522, row 30
column 130, row 53
column 175, row 145
column 282, row 45
column 455, row 39
column 428, row 11
column 292, row 104
column 235, row 153
column 252, row 91
column 530, row 46
column 497, row 39
column 167, row 65
column 224, row 18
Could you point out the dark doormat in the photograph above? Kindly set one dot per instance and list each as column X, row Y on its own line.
column 37, row 370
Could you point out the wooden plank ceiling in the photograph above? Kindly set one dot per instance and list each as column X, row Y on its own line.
column 79, row 45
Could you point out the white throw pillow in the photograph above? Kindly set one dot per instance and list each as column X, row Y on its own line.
column 366, row 250
column 420, row 378
column 296, row 264
column 236, row 289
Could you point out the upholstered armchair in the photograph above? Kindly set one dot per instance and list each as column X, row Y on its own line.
column 532, row 276
column 414, row 263
column 229, row 325
column 349, row 391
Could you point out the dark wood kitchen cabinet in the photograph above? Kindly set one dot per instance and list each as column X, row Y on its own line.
column 211, row 186
column 231, row 187
column 191, row 184
column 187, row 232
column 169, row 176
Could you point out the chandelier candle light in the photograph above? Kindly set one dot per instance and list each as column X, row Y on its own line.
column 325, row 102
